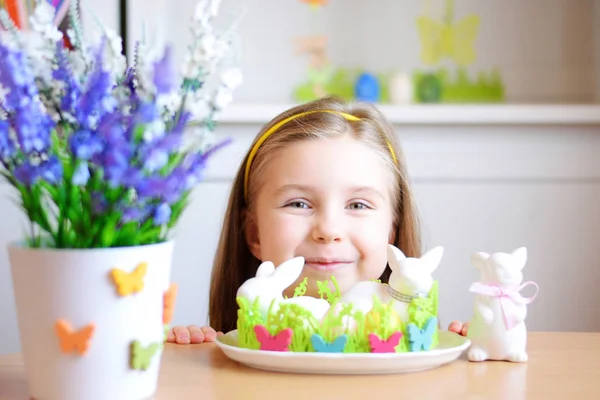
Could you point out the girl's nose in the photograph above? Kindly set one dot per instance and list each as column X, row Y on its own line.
column 328, row 228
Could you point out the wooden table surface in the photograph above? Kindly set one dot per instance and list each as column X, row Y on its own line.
column 560, row 366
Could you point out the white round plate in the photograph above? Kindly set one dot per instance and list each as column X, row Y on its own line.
column 449, row 349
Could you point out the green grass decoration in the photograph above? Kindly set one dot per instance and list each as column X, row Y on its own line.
column 421, row 309
column 325, row 291
column 301, row 289
column 379, row 320
column 439, row 87
column 341, row 83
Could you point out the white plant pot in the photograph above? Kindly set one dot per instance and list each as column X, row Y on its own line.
column 77, row 286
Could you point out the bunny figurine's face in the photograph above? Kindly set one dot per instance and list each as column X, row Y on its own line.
column 413, row 276
column 270, row 282
column 501, row 269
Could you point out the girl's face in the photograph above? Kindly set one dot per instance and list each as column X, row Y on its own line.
column 330, row 202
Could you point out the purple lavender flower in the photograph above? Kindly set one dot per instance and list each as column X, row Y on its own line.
column 198, row 162
column 99, row 203
column 31, row 125
column 111, row 129
column 135, row 213
column 165, row 76
column 97, row 99
column 85, row 145
column 7, row 147
column 116, row 166
column 159, row 187
column 162, row 214
column 29, row 173
column 145, row 114
column 155, row 159
column 155, row 153
column 51, row 170
column 26, row 173
column 64, row 74
column 81, row 175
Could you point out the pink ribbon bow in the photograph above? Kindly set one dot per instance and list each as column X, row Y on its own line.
column 510, row 294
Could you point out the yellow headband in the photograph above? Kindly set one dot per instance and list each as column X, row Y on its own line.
column 278, row 125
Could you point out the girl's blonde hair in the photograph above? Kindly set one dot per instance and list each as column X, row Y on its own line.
column 234, row 262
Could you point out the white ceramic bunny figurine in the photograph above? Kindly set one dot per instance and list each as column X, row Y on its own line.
column 270, row 282
column 410, row 278
column 497, row 330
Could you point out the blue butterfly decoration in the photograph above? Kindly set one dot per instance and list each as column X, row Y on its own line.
column 321, row 346
column 421, row 338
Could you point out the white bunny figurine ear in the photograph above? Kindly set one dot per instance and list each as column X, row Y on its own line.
column 394, row 255
column 433, row 258
column 265, row 269
column 520, row 257
column 479, row 260
column 288, row 271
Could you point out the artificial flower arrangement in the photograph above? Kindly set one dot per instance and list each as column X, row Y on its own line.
column 103, row 154
column 103, row 157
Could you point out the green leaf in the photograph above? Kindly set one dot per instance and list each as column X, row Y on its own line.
column 108, row 233
column 138, row 133
column 94, row 232
column 177, row 210
column 151, row 235
column 113, row 195
column 75, row 199
column 74, row 215
column 52, row 191
column 174, row 160
column 72, row 240
column 128, row 235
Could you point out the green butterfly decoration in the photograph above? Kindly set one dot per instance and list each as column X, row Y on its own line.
column 140, row 356
column 455, row 40
column 166, row 329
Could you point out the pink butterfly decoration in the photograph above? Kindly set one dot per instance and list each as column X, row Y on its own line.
column 384, row 346
column 279, row 342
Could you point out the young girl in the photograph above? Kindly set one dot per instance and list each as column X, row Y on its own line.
column 326, row 181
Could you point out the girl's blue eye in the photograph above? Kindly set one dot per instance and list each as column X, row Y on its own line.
column 298, row 204
column 358, row 206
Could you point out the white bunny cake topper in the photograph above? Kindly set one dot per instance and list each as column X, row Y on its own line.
column 410, row 278
column 270, row 282
column 497, row 330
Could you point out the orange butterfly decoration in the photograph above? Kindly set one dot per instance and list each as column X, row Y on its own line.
column 315, row 3
column 129, row 283
column 73, row 341
column 169, row 303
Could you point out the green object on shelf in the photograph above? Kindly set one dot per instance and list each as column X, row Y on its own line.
column 339, row 82
column 429, row 89
column 453, row 40
column 439, row 86
column 448, row 38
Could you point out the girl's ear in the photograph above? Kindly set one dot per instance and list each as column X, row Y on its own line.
column 251, row 235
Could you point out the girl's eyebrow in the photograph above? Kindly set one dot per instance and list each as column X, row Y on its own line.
column 367, row 190
column 295, row 186
column 354, row 190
